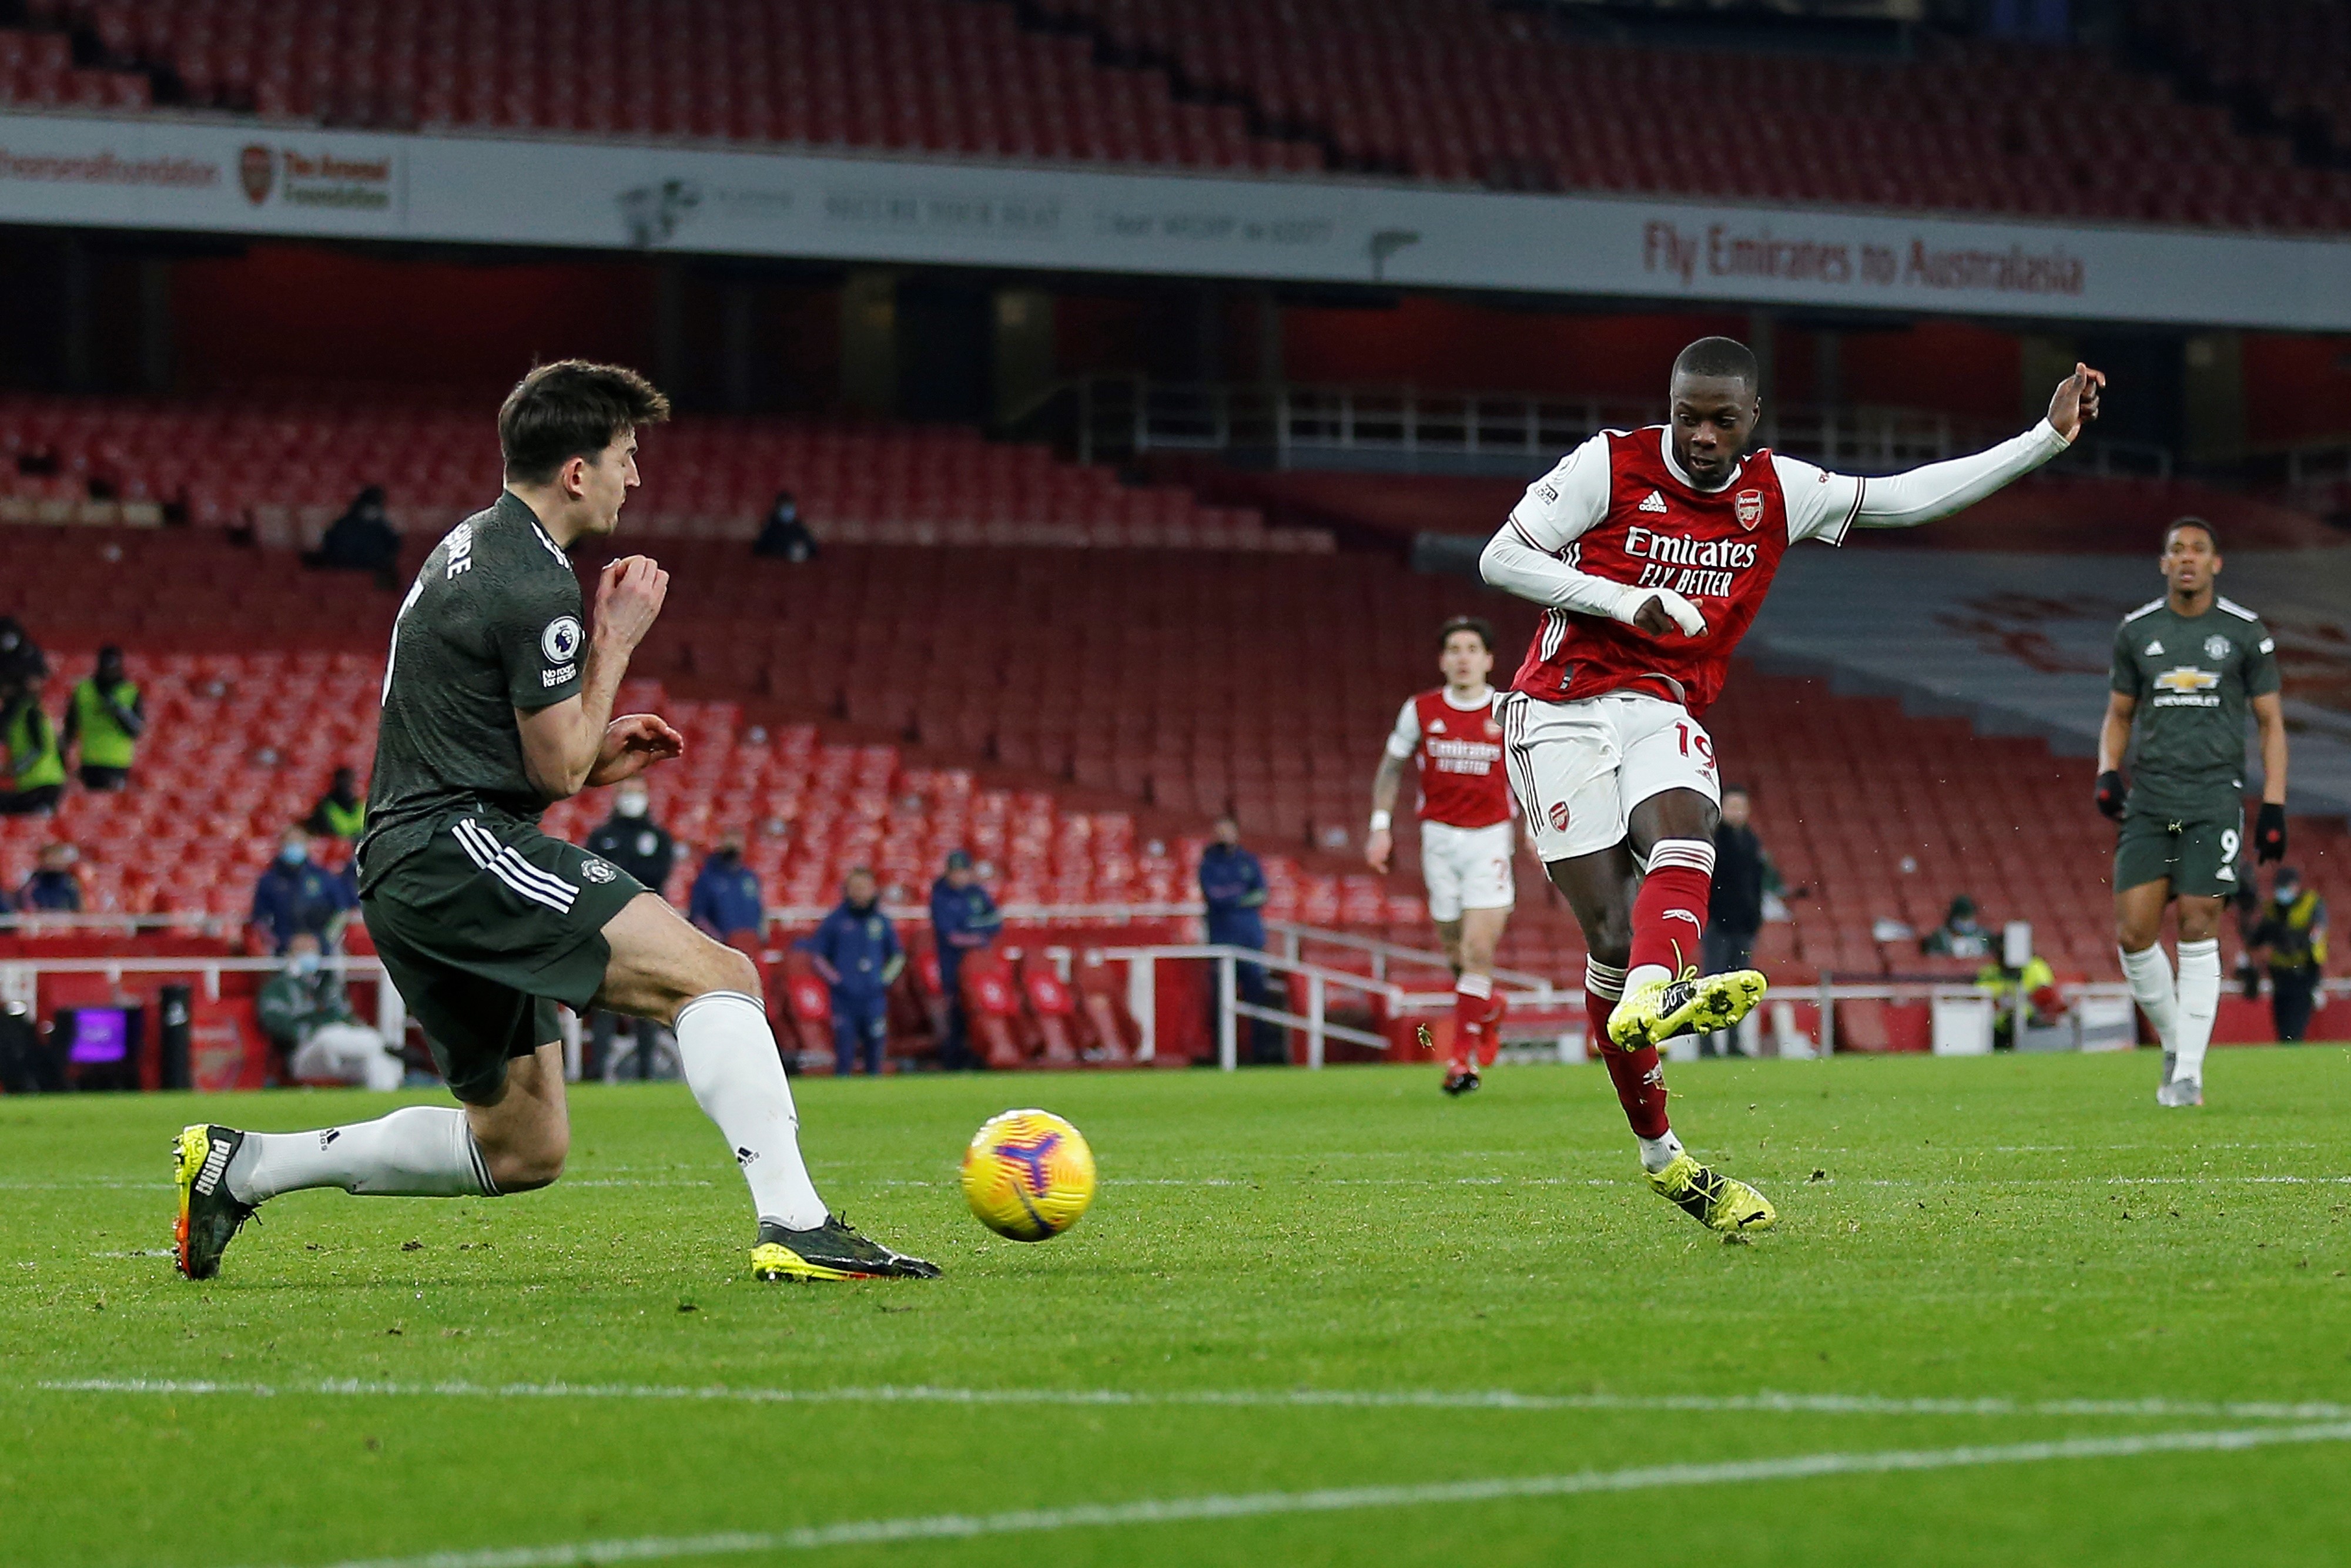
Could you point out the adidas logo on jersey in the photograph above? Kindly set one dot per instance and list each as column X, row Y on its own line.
column 1655, row 503
column 2155, row 647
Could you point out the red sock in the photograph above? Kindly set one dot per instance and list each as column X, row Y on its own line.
column 1639, row 1077
column 1473, row 999
column 1669, row 911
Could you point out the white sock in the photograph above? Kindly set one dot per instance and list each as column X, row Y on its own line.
column 2199, row 999
column 1642, row 974
column 2150, row 974
column 729, row 1056
column 1656, row 1154
column 1478, row 985
column 417, row 1151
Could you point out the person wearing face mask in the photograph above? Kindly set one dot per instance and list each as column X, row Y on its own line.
column 725, row 897
column 105, row 718
column 632, row 841
column 298, row 895
column 342, row 812
column 305, row 1011
column 857, row 951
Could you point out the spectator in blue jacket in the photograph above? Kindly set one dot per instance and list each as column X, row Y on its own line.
column 298, row 893
column 1232, row 886
column 725, row 897
column 857, row 952
column 963, row 919
column 53, row 888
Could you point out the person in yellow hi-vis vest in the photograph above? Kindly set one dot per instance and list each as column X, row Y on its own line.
column 37, row 769
column 105, row 718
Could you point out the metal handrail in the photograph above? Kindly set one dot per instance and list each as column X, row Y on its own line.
column 1294, row 935
column 1131, row 414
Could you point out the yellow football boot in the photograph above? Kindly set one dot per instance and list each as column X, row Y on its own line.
column 1655, row 1012
column 1716, row 1202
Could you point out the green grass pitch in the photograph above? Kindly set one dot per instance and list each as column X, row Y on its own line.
column 2013, row 1314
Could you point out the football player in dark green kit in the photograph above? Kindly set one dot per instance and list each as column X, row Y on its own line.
column 497, row 702
column 2188, row 668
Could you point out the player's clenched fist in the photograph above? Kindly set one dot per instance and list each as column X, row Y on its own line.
column 2111, row 793
column 1664, row 611
column 1378, row 845
column 2269, row 833
column 628, row 598
column 2076, row 402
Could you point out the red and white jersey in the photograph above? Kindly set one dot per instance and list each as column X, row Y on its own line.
column 1458, row 751
column 1620, row 509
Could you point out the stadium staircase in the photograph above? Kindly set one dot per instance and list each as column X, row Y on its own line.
column 1454, row 91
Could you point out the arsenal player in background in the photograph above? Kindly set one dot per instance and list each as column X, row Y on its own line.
column 1452, row 737
column 1651, row 551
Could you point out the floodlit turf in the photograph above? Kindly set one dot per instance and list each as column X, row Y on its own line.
column 2024, row 1232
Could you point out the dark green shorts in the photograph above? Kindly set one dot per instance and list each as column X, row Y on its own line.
column 2197, row 855
column 484, row 930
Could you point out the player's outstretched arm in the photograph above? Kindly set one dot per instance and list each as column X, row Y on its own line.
column 1939, row 490
column 569, row 745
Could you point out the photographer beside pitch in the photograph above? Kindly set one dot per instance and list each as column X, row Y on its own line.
column 2186, row 668
column 498, row 702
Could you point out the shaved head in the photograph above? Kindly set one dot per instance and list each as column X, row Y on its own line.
column 1727, row 358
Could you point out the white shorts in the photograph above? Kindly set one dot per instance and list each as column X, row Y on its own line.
column 1578, row 768
column 1467, row 868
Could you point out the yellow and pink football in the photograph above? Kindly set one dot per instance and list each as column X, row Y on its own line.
column 1028, row 1175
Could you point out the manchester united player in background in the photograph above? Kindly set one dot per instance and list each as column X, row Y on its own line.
column 1651, row 551
column 1453, row 739
column 2188, row 668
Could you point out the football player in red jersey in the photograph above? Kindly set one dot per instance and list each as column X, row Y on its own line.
column 1453, row 739
column 1651, row 551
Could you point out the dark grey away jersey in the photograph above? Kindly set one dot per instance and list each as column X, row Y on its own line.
column 493, row 623
column 2194, row 679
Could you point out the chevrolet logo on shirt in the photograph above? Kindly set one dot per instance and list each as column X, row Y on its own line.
column 2185, row 678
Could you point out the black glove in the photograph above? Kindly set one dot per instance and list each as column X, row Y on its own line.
column 2111, row 793
column 2269, row 833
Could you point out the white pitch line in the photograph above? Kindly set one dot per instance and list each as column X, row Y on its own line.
column 1257, row 1505
column 1765, row 1402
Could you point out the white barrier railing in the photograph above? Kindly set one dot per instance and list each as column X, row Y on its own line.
column 20, row 976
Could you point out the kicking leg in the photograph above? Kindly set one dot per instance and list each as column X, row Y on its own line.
column 1665, row 992
column 1598, row 888
column 709, row 993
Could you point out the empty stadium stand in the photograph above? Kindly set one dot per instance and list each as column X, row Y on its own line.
column 2020, row 644
column 2289, row 58
column 1074, row 717
column 1457, row 91
column 939, row 76
column 1463, row 92
column 291, row 465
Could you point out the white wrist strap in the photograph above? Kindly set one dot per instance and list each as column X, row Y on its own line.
column 1380, row 820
